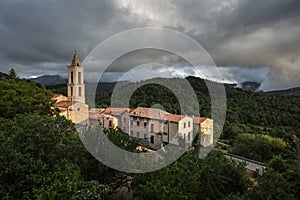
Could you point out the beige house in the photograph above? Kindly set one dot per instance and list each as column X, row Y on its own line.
column 111, row 118
column 95, row 116
column 205, row 127
column 73, row 107
column 147, row 124
column 178, row 126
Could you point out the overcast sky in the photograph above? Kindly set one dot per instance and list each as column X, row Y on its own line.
column 39, row 37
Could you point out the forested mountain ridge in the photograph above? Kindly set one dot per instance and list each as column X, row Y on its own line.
column 295, row 90
column 3, row 74
column 50, row 80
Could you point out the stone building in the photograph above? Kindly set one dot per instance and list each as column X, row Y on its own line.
column 205, row 127
column 73, row 106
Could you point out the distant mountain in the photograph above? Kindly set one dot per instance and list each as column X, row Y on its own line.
column 50, row 80
column 247, row 85
column 57, row 81
column 295, row 90
column 250, row 86
column 231, row 85
column 3, row 75
column 109, row 86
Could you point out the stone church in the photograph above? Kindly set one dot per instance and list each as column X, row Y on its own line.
column 73, row 107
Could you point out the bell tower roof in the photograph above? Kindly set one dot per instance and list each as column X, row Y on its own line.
column 75, row 61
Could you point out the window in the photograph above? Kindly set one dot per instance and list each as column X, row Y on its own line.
column 124, row 120
column 71, row 91
column 131, row 122
column 131, row 132
column 138, row 134
column 145, row 135
column 138, row 123
column 79, row 78
column 184, row 125
column 124, row 129
column 72, row 74
column 79, row 91
column 145, row 124
column 189, row 124
column 110, row 124
column 165, row 133
column 189, row 136
column 152, row 139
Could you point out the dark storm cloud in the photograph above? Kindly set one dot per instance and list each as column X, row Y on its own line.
column 34, row 33
column 144, row 56
column 40, row 36
column 249, row 33
column 260, row 13
column 43, row 31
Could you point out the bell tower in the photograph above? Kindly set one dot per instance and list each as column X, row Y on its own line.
column 76, row 87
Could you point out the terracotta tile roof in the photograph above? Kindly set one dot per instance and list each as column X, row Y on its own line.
column 96, row 116
column 95, row 113
column 63, row 104
column 151, row 113
column 174, row 118
column 115, row 111
column 55, row 96
column 96, row 110
column 61, row 110
column 198, row 120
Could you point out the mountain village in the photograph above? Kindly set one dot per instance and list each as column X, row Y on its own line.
column 154, row 127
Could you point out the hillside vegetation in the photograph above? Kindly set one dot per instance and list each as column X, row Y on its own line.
column 42, row 156
column 247, row 112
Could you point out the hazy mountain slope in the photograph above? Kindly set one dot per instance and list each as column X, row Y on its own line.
column 50, row 80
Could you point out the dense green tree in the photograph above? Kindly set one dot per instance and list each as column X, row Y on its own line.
column 42, row 157
column 293, row 177
column 58, row 89
column 278, row 164
column 229, row 131
column 122, row 139
column 271, row 186
column 19, row 96
column 190, row 177
column 259, row 147
column 12, row 73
